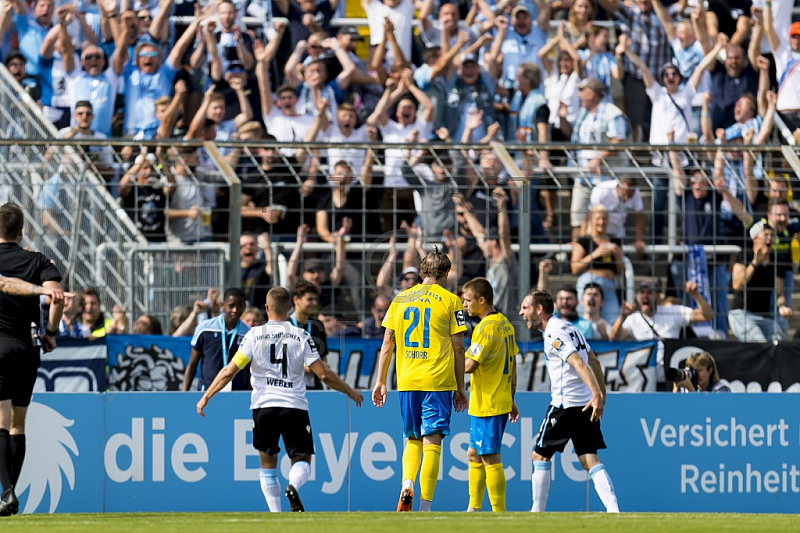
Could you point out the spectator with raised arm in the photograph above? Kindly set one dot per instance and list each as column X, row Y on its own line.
column 579, row 22
column 57, row 60
column 647, row 321
column 690, row 44
column 339, row 132
column 448, row 23
column 648, row 41
column 314, row 83
column 408, row 118
column 561, row 84
column 410, row 275
column 786, row 50
column 468, row 93
column 331, row 281
column 401, row 13
column 730, row 18
column 32, row 28
column 598, row 122
column 147, row 79
column 99, row 85
column 728, row 82
column 597, row 62
column 495, row 243
column 522, row 41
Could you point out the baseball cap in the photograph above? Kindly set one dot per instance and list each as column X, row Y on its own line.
column 469, row 57
column 352, row 31
column 593, row 84
column 236, row 64
column 668, row 66
column 649, row 285
column 757, row 228
column 794, row 29
column 520, row 8
column 409, row 270
column 314, row 265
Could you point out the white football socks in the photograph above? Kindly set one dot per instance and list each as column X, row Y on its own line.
column 271, row 488
column 299, row 474
column 604, row 488
column 540, row 482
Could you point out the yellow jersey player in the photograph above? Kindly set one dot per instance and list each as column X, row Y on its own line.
column 491, row 359
column 427, row 323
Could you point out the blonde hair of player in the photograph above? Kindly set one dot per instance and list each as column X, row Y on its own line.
column 435, row 265
column 278, row 304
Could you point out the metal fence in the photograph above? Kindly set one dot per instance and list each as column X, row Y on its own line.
column 494, row 208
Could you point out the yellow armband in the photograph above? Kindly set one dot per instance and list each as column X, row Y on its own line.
column 241, row 360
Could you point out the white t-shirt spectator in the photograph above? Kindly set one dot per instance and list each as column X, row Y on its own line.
column 606, row 194
column 788, row 65
column 402, row 16
column 334, row 137
column 393, row 132
column 666, row 323
column 667, row 115
column 286, row 128
column 562, row 88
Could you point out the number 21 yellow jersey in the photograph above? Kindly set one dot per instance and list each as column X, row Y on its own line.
column 423, row 319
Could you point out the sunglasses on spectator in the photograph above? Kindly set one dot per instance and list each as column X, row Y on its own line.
column 144, row 53
column 236, row 70
column 89, row 57
column 315, row 46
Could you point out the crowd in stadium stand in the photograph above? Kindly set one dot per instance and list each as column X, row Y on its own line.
column 607, row 72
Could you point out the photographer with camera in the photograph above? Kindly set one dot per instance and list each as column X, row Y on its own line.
column 698, row 375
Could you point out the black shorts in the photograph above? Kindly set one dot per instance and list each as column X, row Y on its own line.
column 271, row 423
column 561, row 425
column 19, row 362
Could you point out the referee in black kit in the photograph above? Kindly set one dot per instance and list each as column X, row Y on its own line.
column 19, row 342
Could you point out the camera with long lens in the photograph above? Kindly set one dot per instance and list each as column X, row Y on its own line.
column 680, row 374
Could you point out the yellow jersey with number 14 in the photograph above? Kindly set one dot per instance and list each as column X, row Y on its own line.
column 494, row 347
column 423, row 319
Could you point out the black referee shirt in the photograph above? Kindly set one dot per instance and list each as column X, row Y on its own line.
column 17, row 312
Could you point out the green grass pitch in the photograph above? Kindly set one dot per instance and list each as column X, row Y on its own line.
column 399, row 523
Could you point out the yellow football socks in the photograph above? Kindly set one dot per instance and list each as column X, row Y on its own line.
column 477, row 484
column 496, row 484
column 412, row 457
column 430, row 470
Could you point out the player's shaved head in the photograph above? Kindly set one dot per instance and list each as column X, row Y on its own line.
column 278, row 302
column 480, row 288
column 436, row 265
